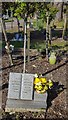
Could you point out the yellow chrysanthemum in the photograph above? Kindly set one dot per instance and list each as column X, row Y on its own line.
column 50, row 83
column 37, row 80
column 45, row 87
column 43, row 80
column 39, row 87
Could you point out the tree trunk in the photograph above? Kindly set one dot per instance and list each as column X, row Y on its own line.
column 8, row 51
column 50, row 36
column 47, row 35
column 25, row 38
column 28, row 40
column 4, row 25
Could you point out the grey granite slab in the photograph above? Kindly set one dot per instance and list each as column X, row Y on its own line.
column 27, row 86
column 14, row 85
column 25, row 104
column 40, row 97
column 20, row 86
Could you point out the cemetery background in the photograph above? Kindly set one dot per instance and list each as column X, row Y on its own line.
column 57, row 102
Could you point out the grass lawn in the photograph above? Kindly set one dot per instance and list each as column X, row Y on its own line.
column 17, row 44
column 56, row 45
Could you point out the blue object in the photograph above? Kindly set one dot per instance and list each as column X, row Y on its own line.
column 17, row 36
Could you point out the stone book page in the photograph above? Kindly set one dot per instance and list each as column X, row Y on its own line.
column 14, row 88
column 27, row 86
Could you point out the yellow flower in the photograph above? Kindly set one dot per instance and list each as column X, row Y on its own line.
column 50, row 83
column 37, row 80
column 39, row 87
column 39, row 83
column 43, row 80
column 45, row 87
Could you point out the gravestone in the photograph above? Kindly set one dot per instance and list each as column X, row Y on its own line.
column 21, row 94
column 20, row 86
column 14, row 85
column 27, row 86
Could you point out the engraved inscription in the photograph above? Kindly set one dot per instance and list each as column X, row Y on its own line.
column 20, row 86
column 27, row 86
column 14, row 85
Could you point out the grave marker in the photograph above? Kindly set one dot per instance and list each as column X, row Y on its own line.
column 27, row 86
column 21, row 94
column 14, row 85
column 20, row 86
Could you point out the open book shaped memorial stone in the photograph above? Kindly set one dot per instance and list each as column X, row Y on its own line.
column 20, row 86
column 21, row 94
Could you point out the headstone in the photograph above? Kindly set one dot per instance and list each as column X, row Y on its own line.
column 20, row 86
column 21, row 94
column 14, row 85
column 27, row 86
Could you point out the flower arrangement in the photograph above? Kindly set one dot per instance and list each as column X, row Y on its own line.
column 41, row 84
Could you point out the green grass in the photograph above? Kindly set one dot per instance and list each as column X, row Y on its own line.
column 39, row 45
column 59, row 24
column 17, row 44
column 59, row 43
column 40, row 24
column 56, row 45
